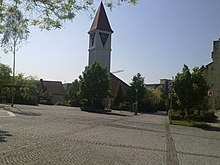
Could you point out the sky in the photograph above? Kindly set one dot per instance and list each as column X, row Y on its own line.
column 154, row 38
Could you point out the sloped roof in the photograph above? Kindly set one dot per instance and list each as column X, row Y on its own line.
column 209, row 64
column 54, row 87
column 115, row 83
column 101, row 21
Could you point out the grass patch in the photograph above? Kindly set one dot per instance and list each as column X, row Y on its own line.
column 191, row 124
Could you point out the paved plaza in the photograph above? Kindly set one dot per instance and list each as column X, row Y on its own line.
column 66, row 135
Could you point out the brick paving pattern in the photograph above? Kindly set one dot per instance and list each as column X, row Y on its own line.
column 66, row 135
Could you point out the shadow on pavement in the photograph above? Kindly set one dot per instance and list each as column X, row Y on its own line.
column 115, row 114
column 4, row 135
column 160, row 113
column 211, row 128
column 108, row 113
column 27, row 113
column 157, row 113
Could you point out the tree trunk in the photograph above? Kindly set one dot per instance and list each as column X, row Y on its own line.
column 13, row 76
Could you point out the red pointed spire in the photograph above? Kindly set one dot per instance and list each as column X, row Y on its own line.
column 101, row 21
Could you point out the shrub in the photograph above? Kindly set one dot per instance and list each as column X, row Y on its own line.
column 176, row 115
column 75, row 103
column 208, row 116
column 147, row 108
column 124, row 106
column 205, row 116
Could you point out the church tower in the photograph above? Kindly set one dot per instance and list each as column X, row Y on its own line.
column 100, row 39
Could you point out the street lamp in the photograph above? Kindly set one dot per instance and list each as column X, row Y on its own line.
column 171, row 103
column 136, row 102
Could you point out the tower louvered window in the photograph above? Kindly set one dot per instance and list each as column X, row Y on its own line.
column 92, row 38
column 103, row 37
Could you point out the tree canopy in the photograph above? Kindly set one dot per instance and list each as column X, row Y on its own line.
column 153, row 97
column 182, row 85
column 94, row 84
column 137, row 84
column 15, row 32
column 73, row 93
column 5, row 79
column 191, row 89
column 48, row 14
column 25, row 88
column 5, row 72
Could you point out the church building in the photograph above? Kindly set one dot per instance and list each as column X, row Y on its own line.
column 100, row 35
column 212, row 74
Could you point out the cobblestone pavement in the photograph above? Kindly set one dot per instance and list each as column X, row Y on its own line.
column 66, row 135
column 196, row 145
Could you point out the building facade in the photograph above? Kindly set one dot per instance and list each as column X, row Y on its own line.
column 51, row 92
column 165, row 84
column 212, row 75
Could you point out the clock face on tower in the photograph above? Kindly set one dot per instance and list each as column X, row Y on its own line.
column 103, row 37
column 92, row 38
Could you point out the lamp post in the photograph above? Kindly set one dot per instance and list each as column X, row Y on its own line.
column 136, row 102
column 171, row 103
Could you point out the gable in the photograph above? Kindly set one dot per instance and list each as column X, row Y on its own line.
column 115, row 82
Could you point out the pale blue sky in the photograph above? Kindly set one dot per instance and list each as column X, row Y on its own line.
column 155, row 38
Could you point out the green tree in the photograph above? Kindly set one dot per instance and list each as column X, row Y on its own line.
column 15, row 32
column 182, row 86
column 163, row 98
column 191, row 89
column 73, row 93
column 94, row 85
column 153, row 98
column 5, row 76
column 48, row 14
column 200, row 90
column 137, row 90
column 5, row 79
column 26, row 90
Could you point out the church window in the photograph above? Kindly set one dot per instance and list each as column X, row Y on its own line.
column 92, row 38
column 103, row 37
